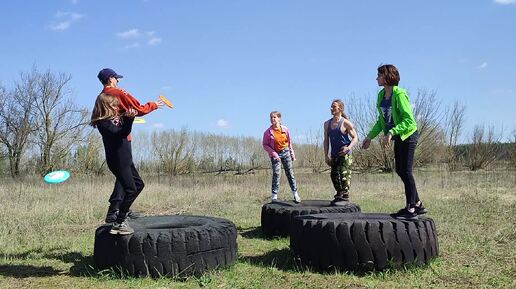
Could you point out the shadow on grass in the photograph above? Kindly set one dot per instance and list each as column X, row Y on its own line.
column 281, row 259
column 26, row 271
column 251, row 233
column 81, row 265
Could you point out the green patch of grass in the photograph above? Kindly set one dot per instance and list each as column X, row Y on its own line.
column 47, row 232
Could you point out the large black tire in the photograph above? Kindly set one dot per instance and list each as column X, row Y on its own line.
column 362, row 242
column 168, row 246
column 277, row 217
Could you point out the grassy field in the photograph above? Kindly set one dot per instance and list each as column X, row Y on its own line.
column 47, row 231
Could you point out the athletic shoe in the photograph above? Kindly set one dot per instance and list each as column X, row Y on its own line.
column 121, row 229
column 420, row 210
column 341, row 197
column 297, row 199
column 133, row 215
column 274, row 198
column 404, row 214
column 111, row 216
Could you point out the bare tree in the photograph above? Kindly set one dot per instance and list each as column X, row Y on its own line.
column 362, row 113
column 89, row 157
column 59, row 122
column 512, row 149
column 16, row 123
column 174, row 150
column 454, row 123
column 311, row 153
column 428, row 115
column 484, row 148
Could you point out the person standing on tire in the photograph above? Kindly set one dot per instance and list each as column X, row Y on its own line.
column 109, row 79
column 396, row 122
column 114, row 128
column 341, row 136
column 276, row 142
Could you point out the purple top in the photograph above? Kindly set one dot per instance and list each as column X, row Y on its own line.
column 268, row 143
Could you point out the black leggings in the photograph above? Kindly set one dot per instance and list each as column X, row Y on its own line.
column 128, row 186
column 404, row 160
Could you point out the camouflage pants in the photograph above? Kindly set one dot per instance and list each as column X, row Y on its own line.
column 341, row 173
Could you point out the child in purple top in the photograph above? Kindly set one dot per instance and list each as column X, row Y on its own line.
column 276, row 142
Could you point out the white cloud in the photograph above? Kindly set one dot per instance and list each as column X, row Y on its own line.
column 482, row 66
column 154, row 41
column 60, row 26
column 133, row 45
column 147, row 37
column 66, row 19
column 222, row 123
column 132, row 33
column 165, row 87
column 504, row 2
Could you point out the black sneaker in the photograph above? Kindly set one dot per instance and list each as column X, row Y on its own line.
column 404, row 214
column 420, row 210
column 133, row 215
column 121, row 229
column 111, row 216
column 341, row 197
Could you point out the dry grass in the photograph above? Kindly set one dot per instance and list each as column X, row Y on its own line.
column 47, row 231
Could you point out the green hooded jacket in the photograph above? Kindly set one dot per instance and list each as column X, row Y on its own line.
column 404, row 123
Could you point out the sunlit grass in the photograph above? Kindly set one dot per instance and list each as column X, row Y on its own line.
column 47, row 231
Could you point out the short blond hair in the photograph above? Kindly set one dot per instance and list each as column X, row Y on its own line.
column 276, row 113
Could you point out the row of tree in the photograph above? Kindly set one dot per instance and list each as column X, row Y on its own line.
column 41, row 129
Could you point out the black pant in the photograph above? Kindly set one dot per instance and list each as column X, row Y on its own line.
column 404, row 160
column 128, row 186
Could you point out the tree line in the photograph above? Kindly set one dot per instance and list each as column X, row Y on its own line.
column 42, row 129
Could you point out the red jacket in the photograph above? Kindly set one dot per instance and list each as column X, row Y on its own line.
column 126, row 101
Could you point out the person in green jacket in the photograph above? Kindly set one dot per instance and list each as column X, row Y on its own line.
column 397, row 123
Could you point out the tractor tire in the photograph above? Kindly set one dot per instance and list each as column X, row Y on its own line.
column 362, row 241
column 168, row 246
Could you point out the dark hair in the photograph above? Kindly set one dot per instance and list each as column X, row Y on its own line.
column 390, row 73
column 341, row 104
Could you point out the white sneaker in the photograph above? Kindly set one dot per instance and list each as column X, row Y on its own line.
column 297, row 199
column 274, row 198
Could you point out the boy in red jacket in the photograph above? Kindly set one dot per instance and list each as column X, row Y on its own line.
column 109, row 79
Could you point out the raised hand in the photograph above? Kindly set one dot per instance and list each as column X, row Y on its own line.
column 131, row 112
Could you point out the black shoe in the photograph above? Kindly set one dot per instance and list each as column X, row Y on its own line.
column 133, row 215
column 341, row 197
column 111, row 216
column 404, row 214
column 420, row 210
column 121, row 229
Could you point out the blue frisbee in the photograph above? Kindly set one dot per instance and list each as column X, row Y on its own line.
column 56, row 177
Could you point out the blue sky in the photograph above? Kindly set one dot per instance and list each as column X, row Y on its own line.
column 226, row 64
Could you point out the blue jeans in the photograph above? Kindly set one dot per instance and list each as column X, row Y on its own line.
column 286, row 160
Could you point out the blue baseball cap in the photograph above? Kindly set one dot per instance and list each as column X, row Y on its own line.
column 106, row 73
